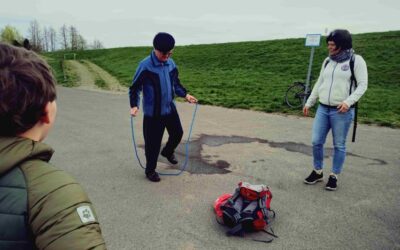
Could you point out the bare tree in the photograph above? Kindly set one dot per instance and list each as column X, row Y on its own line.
column 64, row 37
column 97, row 44
column 46, row 39
column 82, row 44
column 53, row 38
column 73, row 33
column 68, row 37
column 35, row 36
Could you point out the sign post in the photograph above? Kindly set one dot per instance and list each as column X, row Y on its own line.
column 312, row 40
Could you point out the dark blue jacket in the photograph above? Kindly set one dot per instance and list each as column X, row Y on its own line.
column 159, row 83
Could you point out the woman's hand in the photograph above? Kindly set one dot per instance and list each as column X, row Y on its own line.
column 343, row 107
column 306, row 110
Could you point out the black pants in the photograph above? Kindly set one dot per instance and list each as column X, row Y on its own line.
column 153, row 131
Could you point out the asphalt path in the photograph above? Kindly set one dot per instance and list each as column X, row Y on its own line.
column 92, row 140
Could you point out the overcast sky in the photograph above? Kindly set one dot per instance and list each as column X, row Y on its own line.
column 120, row 23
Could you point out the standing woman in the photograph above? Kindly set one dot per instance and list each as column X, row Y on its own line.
column 336, row 95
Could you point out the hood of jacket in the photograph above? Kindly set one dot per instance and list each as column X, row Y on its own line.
column 16, row 150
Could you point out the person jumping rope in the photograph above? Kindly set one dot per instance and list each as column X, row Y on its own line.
column 157, row 78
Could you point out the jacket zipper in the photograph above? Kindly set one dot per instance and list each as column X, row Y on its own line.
column 166, row 85
column 330, row 89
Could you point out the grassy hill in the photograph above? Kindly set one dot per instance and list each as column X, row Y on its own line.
column 255, row 75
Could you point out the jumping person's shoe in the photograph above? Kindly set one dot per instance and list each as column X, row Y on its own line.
column 313, row 178
column 153, row 177
column 332, row 183
column 170, row 158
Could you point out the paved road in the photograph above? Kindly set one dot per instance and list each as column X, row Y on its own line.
column 92, row 140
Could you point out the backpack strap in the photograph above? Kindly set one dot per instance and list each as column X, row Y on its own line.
column 353, row 83
column 236, row 213
column 326, row 63
column 231, row 200
column 263, row 209
column 250, row 207
column 236, row 230
column 231, row 209
column 353, row 77
column 238, row 205
column 242, row 212
column 269, row 198
column 272, row 233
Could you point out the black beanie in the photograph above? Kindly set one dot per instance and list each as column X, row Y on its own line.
column 163, row 42
column 342, row 39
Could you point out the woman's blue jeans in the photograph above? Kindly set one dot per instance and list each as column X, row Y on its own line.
column 329, row 118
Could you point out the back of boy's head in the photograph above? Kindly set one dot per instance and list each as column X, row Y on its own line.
column 26, row 86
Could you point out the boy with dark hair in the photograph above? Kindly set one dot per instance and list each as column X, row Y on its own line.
column 41, row 207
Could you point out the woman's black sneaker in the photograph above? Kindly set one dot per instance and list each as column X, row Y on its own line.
column 314, row 178
column 332, row 183
column 153, row 177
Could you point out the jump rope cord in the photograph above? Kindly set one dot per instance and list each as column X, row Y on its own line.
column 184, row 165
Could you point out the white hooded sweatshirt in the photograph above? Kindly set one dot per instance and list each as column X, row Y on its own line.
column 333, row 85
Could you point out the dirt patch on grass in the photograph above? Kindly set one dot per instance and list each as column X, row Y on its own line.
column 84, row 78
column 89, row 76
column 110, row 82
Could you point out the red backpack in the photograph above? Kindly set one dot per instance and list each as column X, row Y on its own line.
column 247, row 210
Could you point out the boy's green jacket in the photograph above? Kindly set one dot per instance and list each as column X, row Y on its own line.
column 42, row 207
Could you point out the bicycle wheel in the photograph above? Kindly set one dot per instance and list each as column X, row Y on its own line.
column 295, row 95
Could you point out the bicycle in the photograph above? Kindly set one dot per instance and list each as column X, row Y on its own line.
column 296, row 93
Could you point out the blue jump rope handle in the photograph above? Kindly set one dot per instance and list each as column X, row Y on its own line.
column 183, row 168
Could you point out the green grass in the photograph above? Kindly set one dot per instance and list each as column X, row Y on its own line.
column 63, row 73
column 255, row 75
column 57, row 66
column 71, row 78
column 100, row 83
